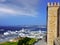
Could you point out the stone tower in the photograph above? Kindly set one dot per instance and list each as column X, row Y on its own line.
column 52, row 23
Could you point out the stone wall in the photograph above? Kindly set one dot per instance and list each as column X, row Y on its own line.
column 52, row 24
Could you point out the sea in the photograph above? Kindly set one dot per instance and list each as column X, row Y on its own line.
column 17, row 28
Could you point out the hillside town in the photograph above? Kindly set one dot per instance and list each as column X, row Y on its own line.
column 11, row 35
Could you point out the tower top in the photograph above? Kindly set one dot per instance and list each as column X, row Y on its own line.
column 53, row 4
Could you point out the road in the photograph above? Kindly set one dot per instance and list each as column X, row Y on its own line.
column 40, row 42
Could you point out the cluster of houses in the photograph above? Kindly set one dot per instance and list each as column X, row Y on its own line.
column 9, row 35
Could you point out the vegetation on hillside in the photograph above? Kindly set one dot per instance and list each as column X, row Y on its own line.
column 27, row 41
column 23, row 41
column 9, row 43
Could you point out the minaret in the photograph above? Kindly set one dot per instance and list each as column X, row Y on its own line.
column 52, row 23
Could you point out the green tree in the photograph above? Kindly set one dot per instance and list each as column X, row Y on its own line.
column 24, row 41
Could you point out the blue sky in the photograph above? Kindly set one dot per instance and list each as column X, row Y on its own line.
column 23, row 12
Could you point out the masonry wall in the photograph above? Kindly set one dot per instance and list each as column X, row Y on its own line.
column 52, row 23
column 59, row 21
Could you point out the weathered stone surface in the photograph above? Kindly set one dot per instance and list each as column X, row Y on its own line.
column 52, row 23
column 57, row 41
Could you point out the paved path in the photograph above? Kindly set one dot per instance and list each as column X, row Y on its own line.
column 40, row 42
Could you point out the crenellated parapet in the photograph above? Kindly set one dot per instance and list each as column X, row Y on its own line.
column 53, row 4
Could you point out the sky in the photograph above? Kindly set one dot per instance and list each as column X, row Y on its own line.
column 23, row 12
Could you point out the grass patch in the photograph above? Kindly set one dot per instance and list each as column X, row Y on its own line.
column 9, row 43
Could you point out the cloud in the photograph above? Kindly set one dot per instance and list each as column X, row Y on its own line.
column 19, row 7
column 2, row 0
column 15, row 12
column 5, row 10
